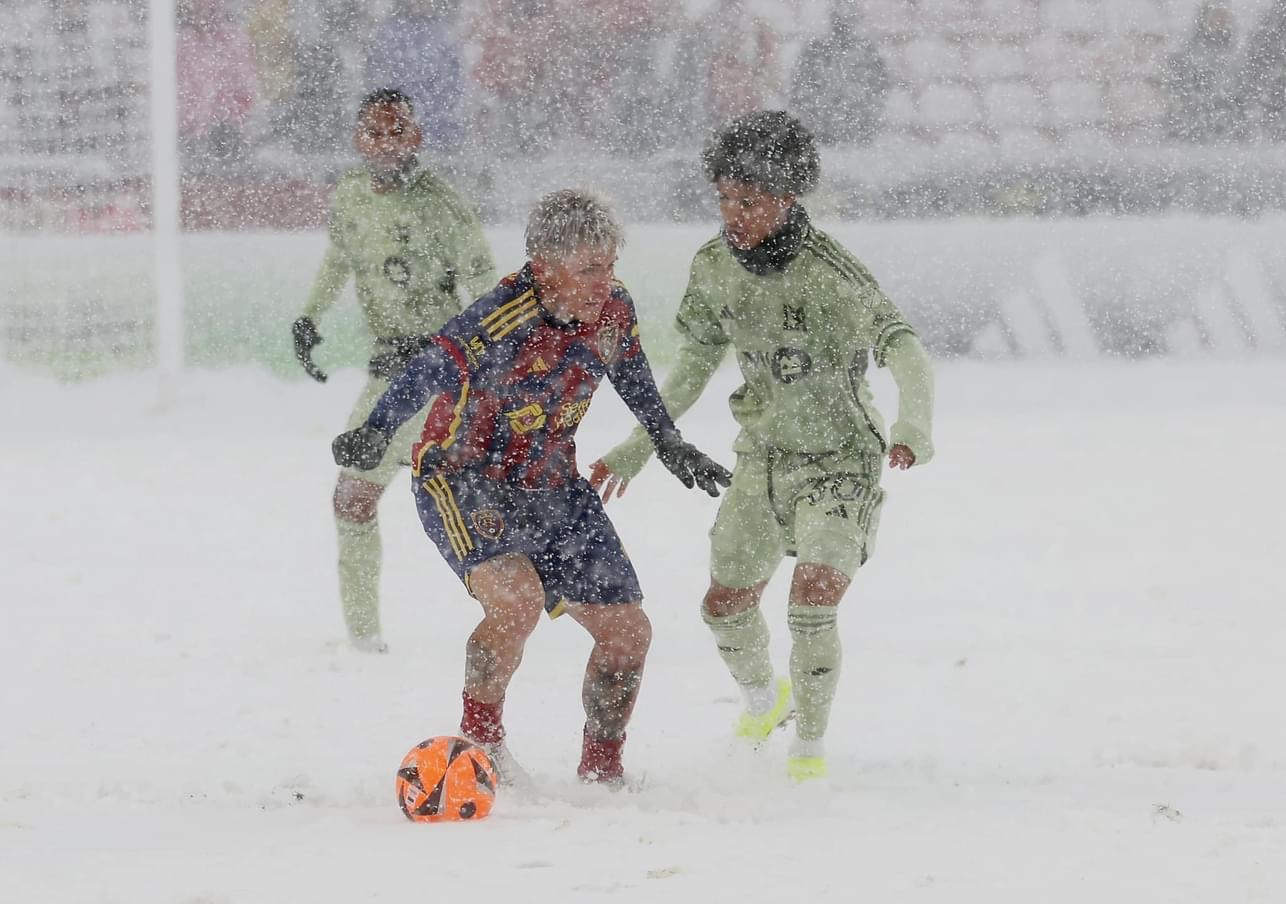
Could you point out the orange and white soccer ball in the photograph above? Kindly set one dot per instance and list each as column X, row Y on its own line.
column 446, row 779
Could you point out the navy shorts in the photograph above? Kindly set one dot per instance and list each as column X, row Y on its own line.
column 564, row 532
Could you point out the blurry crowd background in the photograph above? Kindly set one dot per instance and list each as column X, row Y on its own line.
column 926, row 107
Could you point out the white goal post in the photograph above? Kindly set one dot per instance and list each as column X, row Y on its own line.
column 165, row 189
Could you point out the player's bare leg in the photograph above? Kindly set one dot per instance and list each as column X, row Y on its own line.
column 356, row 506
column 622, row 635
column 512, row 598
column 815, row 656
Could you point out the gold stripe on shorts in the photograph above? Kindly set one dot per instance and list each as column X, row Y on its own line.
column 452, row 519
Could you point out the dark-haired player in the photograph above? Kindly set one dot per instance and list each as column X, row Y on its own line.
column 495, row 474
column 412, row 247
column 804, row 318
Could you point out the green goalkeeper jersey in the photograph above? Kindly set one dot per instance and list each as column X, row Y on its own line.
column 409, row 251
column 803, row 337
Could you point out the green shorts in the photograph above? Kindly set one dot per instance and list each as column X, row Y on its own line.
column 822, row 509
column 398, row 455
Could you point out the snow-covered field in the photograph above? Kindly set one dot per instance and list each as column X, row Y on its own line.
column 1063, row 672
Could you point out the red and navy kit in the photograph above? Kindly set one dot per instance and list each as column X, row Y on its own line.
column 512, row 384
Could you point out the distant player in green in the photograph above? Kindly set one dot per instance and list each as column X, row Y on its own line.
column 804, row 318
column 417, row 255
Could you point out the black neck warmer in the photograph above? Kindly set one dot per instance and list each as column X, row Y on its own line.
column 779, row 249
column 398, row 178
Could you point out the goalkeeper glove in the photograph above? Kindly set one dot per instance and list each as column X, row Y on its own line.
column 692, row 466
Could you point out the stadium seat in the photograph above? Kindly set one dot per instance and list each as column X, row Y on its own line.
column 968, row 148
column 948, row 106
column 932, row 58
column 946, row 17
column 1075, row 16
column 1009, row 20
column 900, row 110
column 888, row 18
column 998, row 61
column 1073, row 103
column 1012, row 104
column 1134, row 102
column 1024, row 143
column 1135, row 17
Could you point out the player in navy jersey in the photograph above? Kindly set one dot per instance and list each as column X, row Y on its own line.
column 495, row 477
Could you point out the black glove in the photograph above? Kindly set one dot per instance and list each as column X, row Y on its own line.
column 692, row 466
column 307, row 339
column 362, row 448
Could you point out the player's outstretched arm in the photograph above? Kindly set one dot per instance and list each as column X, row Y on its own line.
column 612, row 473
column 432, row 371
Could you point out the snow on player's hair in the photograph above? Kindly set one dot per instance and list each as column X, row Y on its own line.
column 769, row 149
column 569, row 219
column 382, row 96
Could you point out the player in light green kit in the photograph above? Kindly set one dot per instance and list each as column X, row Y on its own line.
column 417, row 255
column 803, row 317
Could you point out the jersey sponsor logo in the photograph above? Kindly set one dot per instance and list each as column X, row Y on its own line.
column 792, row 318
column 539, row 366
column 487, row 523
column 790, row 364
column 571, row 414
column 526, row 419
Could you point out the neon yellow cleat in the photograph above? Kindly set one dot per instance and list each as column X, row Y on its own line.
column 757, row 727
column 806, row 768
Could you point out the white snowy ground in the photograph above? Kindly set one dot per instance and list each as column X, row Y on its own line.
column 1063, row 677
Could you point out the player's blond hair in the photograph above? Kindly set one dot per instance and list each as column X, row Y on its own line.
column 569, row 219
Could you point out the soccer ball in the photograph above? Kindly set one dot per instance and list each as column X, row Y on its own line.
column 446, row 779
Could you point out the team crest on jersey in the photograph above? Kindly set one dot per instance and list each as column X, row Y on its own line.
column 526, row 419
column 608, row 343
column 487, row 523
column 398, row 271
column 789, row 364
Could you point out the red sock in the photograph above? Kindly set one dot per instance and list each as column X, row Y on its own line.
column 600, row 759
column 481, row 721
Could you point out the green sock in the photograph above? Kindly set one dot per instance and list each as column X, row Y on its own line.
column 359, row 575
column 814, row 666
column 743, row 644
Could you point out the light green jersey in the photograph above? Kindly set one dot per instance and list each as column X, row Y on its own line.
column 803, row 337
column 409, row 251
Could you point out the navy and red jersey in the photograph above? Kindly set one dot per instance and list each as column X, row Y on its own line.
column 513, row 383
